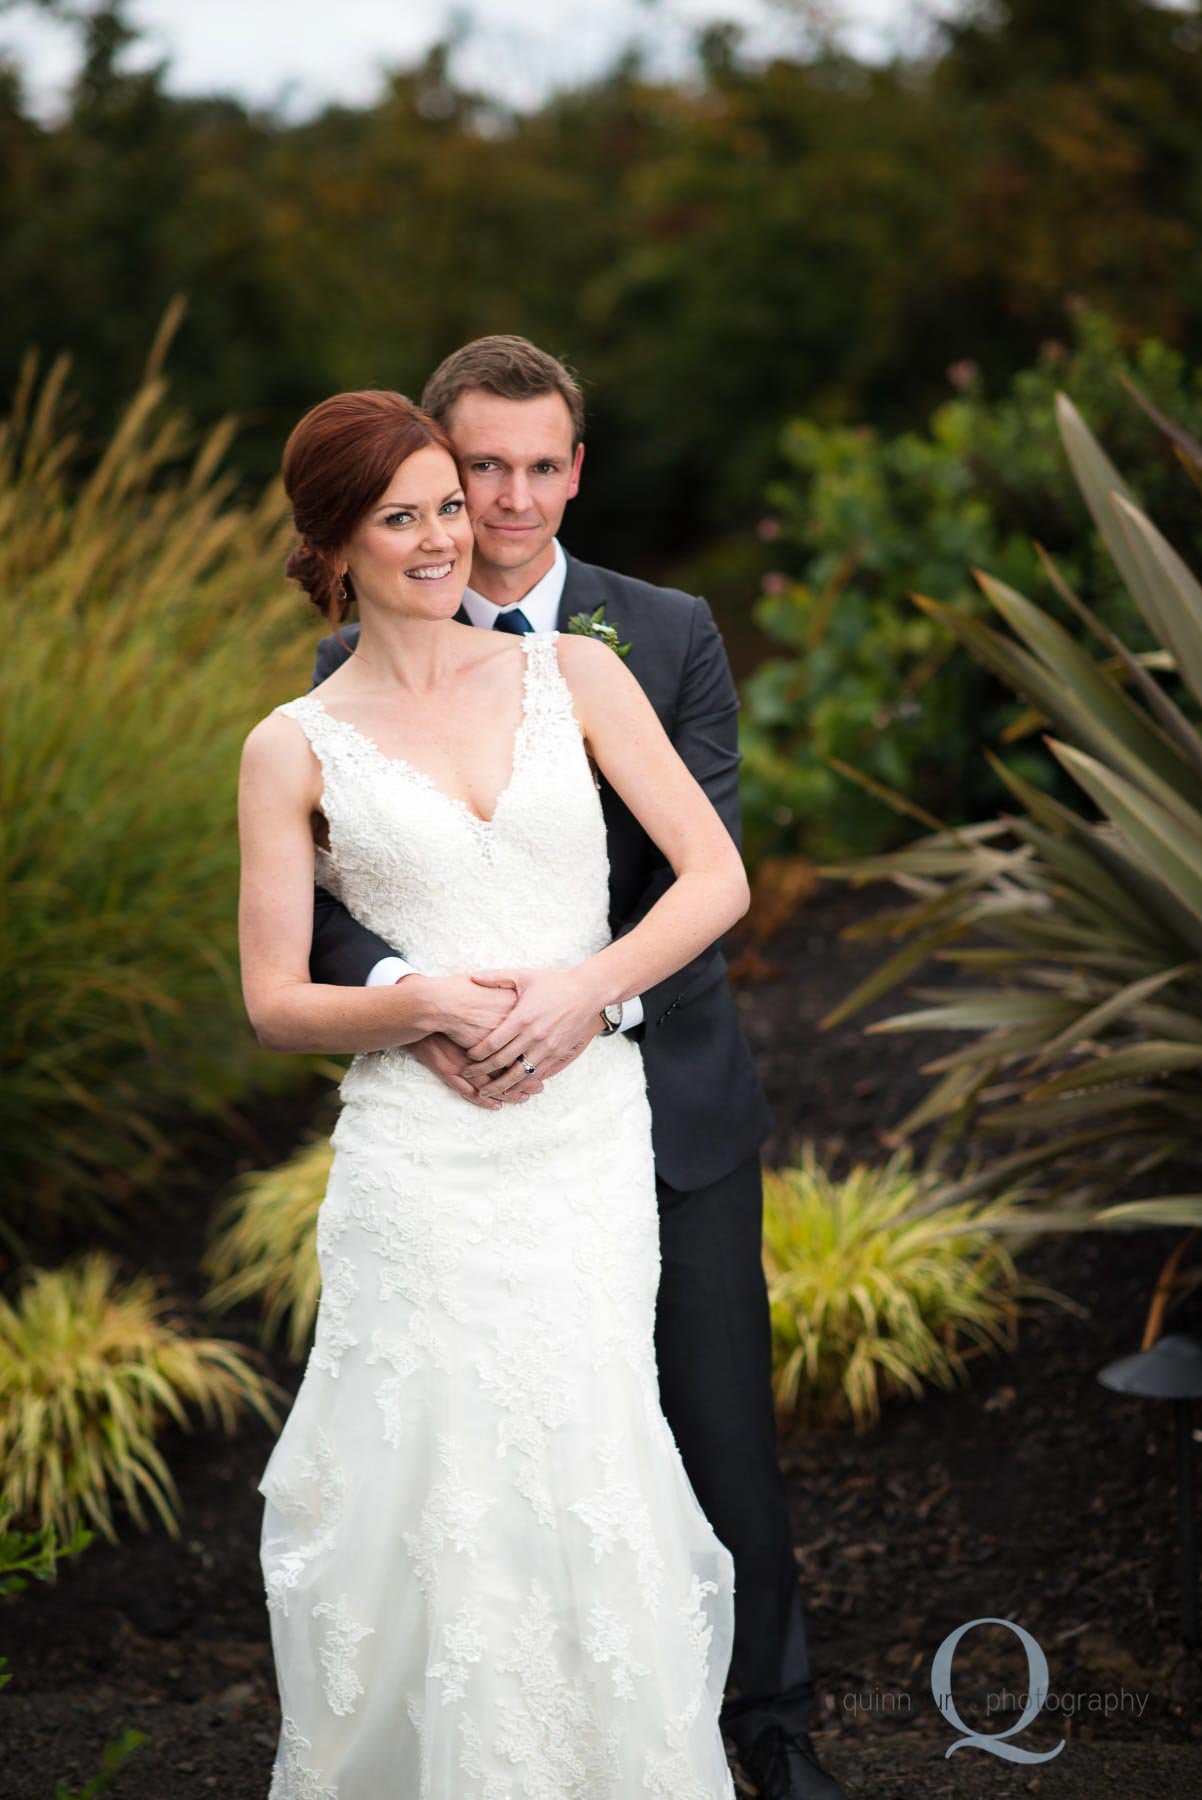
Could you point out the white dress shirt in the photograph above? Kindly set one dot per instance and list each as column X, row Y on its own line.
column 541, row 607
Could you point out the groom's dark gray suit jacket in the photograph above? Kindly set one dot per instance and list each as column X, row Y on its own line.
column 707, row 1107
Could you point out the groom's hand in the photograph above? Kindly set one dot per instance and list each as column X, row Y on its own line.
column 449, row 1061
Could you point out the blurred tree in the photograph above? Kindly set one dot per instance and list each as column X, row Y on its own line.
column 1001, row 46
column 808, row 236
column 1079, row 168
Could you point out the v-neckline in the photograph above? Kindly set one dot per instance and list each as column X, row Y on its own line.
column 422, row 776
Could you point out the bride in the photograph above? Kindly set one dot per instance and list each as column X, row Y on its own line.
column 487, row 1575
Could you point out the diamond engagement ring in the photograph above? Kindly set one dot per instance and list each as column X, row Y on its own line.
column 528, row 1066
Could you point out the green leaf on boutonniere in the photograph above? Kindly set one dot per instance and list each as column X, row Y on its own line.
column 594, row 625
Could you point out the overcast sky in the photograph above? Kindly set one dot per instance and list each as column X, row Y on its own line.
column 299, row 53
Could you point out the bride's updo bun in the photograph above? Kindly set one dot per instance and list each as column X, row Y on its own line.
column 337, row 462
column 306, row 566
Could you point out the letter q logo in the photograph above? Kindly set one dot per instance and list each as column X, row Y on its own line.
column 1037, row 1690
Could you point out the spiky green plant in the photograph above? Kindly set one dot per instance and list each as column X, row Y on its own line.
column 878, row 1283
column 148, row 626
column 1081, row 930
column 263, row 1245
column 90, row 1371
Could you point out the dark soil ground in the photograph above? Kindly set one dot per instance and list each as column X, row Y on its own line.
column 1032, row 1494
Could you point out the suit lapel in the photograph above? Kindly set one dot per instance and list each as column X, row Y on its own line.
column 577, row 587
column 583, row 593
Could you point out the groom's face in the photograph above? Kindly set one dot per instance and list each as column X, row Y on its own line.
column 519, row 472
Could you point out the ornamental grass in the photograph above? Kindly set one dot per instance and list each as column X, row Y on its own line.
column 91, row 1371
column 879, row 1283
column 263, row 1246
column 148, row 628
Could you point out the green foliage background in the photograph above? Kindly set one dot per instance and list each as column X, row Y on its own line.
column 867, row 519
column 808, row 237
column 745, row 265
column 843, row 295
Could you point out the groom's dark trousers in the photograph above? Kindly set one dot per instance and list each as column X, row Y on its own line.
column 709, row 1120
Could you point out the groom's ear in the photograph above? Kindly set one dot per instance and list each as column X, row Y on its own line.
column 574, row 481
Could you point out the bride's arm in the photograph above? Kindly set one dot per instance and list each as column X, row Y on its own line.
column 710, row 889
column 644, row 768
column 278, row 792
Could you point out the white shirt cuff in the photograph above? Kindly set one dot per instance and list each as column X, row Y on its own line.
column 632, row 1013
column 388, row 970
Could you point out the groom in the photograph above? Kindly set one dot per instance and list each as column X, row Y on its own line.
column 516, row 417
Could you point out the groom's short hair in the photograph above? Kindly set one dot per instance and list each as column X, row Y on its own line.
column 511, row 367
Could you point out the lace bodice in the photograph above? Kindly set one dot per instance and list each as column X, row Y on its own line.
column 528, row 887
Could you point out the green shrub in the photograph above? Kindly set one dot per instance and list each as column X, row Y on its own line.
column 148, row 627
column 865, row 521
column 89, row 1371
column 878, row 1283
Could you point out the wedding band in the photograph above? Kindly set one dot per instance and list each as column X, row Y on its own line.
column 528, row 1066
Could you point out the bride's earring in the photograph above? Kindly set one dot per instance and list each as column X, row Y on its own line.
column 346, row 599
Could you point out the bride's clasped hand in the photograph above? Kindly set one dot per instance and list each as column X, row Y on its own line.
column 543, row 1017
column 555, row 1013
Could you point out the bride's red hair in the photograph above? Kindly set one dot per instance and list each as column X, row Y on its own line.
column 337, row 462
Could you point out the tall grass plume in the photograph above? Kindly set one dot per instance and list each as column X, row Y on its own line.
column 148, row 627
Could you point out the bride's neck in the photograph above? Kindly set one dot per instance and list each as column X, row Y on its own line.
column 415, row 655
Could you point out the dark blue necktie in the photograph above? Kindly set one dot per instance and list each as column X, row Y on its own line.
column 514, row 620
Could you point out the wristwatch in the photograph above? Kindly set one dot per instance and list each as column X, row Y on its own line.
column 612, row 1014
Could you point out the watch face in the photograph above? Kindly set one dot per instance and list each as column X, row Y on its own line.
column 613, row 1013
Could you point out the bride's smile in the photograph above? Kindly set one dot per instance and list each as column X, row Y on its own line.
column 431, row 571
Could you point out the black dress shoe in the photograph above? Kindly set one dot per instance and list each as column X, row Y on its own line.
column 784, row 1766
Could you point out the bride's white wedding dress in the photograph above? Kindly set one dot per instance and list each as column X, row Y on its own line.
column 487, row 1574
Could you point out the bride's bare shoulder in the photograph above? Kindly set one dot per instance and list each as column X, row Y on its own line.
column 589, row 666
column 576, row 651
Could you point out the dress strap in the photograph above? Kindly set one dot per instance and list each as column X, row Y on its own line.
column 307, row 715
column 334, row 742
column 548, row 698
column 313, row 719
column 542, row 662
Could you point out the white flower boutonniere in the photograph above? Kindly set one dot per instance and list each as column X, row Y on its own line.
column 594, row 625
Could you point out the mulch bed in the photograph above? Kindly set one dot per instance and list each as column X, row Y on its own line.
column 1032, row 1494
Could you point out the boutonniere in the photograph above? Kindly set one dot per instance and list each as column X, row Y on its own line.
column 594, row 625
